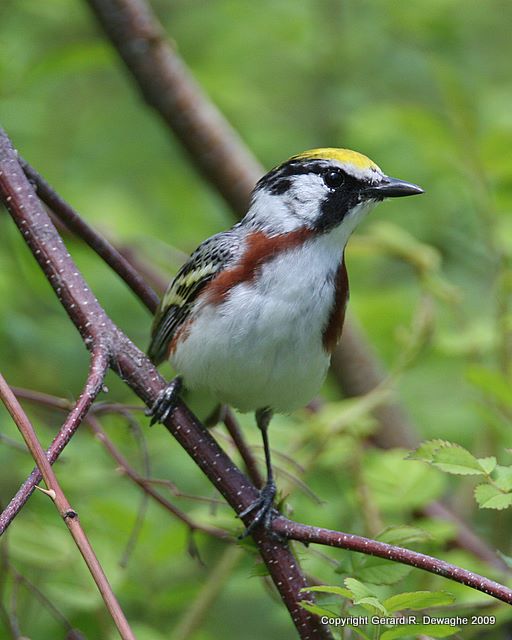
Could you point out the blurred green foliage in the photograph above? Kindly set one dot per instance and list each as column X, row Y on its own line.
column 424, row 89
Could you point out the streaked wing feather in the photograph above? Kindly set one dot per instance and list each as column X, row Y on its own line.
column 209, row 259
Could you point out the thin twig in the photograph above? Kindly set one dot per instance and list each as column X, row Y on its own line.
column 45, row 602
column 145, row 484
column 96, row 375
column 68, row 514
column 144, row 498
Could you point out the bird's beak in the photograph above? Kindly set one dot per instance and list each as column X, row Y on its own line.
column 392, row 188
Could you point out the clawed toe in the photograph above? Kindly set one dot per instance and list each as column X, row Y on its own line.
column 165, row 402
column 264, row 507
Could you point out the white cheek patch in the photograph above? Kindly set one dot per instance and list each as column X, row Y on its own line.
column 272, row 213
column 305, row 195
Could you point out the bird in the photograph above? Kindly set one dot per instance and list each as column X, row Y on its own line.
column 252, row 318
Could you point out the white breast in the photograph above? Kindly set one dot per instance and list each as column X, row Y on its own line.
column 262, row 347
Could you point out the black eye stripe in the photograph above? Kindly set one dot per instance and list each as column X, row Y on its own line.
column 279, row 180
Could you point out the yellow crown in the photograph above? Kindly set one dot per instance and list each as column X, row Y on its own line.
column 345, row 156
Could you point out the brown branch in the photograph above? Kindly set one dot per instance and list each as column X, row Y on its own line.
column 145, row 483
column 68, row 514
column 317, row 535
column 98, row 331
column 98, row 368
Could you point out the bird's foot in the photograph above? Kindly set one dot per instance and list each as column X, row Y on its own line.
column 264, row 507
column 165, row 402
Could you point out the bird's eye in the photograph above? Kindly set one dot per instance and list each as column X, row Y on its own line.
column 334, row 178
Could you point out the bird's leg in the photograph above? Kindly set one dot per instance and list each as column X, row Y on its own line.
column 165, row 401
column 264, row 504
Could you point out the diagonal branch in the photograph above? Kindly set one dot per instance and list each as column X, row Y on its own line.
column 133, row 367
column 68, row 514
column 99, row 332
column 97, row 371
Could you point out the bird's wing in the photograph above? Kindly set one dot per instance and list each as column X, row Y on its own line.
column 210, row 258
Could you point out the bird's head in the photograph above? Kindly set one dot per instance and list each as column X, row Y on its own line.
column 322, row 189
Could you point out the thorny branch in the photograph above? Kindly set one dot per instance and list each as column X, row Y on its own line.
column 98, row 243
column 307, row 534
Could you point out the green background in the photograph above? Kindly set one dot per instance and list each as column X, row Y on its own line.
column 421, row 87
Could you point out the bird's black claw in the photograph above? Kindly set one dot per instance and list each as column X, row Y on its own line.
column 165, row 402
column 264, row 507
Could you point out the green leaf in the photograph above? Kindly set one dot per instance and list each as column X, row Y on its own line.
column 429, row 630
column 357, row 589
column 359, row 632
column 339, row 591
column 425, row 452
column 316, row 609
column 416, row 600
column 503, row 477
column 372, row 603
column 402, row 535
column 457, row 460
column 380, row 571
column 487, row 464
column 490, row 497
column 452, row 458
column 365, row 596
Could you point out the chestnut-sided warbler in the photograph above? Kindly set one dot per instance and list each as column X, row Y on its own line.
column 257, row 310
